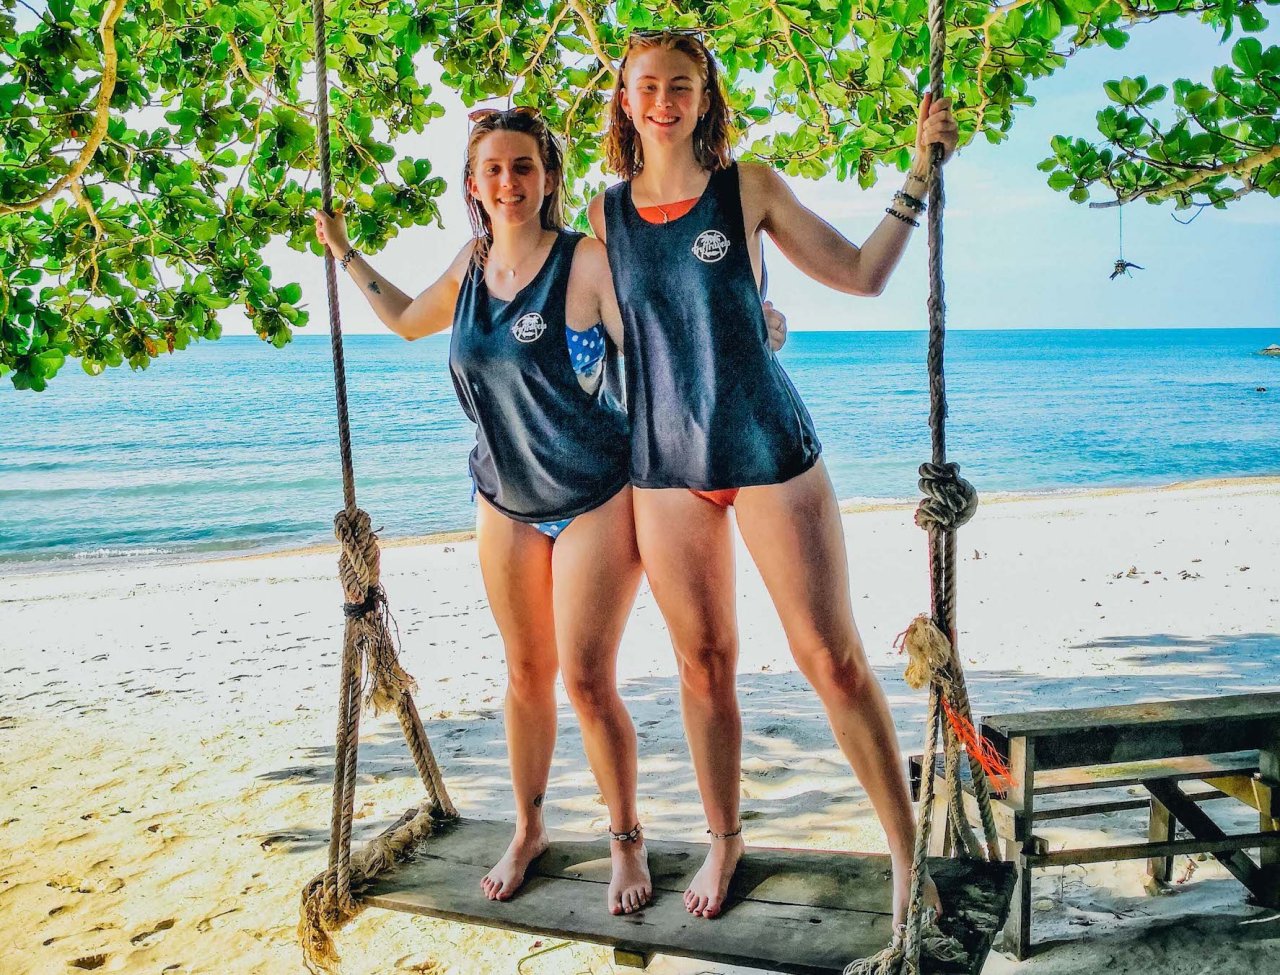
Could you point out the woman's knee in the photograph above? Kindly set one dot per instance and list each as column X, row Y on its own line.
column 709, row 674
column 530, row 676
column 835, row 670
column 590, row 694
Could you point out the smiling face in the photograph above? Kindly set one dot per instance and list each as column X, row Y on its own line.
column 664, row 94
column 508, row 177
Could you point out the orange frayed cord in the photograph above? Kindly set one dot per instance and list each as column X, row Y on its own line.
column 997, row 771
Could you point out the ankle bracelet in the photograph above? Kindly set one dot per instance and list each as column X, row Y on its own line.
column 725, row 836
column 630, row 836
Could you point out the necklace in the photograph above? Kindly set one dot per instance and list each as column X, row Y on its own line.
column 510, row 272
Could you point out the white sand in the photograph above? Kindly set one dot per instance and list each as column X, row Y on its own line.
column 167, row 732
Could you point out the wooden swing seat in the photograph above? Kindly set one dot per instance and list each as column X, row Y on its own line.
column 810, row 912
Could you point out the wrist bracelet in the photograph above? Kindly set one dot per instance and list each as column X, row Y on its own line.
column 902, row 216
column 913, row 203
column 347, row 258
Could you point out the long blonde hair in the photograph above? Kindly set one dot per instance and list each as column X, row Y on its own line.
column 530, row 123
column 711, row 138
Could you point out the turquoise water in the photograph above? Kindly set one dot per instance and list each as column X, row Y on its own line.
column 231, row 446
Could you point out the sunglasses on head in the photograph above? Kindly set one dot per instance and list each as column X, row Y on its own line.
column 651, row 33
column 519, row 111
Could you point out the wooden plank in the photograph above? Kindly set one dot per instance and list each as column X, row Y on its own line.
column 1252, row 791
column 1107, row 744
column 807, row 912
column 625, row 958
column 1200, row 826
column 1175, row 769
column 1269, row 775
column 1160, row 830
column 1111, row 776
column 1216, row 710
column 1141, row 851
column 1023, row 758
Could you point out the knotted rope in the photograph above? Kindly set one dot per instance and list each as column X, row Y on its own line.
column 930, row 642
column 370, row 673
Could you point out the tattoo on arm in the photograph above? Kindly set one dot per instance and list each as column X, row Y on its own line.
column 373, row 286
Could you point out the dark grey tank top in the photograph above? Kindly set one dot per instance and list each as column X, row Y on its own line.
column 546, row 449
column 710, row 405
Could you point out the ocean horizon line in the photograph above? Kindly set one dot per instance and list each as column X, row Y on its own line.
column 348, row 332
column 158, row 555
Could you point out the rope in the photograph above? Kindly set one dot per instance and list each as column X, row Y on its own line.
column 930, row 641
column 370, row 659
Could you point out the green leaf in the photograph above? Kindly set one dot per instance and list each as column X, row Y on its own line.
column 291, row 293
column 1247, row 56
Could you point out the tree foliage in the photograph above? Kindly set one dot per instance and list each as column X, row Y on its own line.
column 150, row 149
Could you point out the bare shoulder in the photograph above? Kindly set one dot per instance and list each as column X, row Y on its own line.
column 762, row 190
column 458, row 268
column 759, row 179
column 595, row 215
column 591, row 256
column 590, row 268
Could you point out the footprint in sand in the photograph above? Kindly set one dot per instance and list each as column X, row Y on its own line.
column 145, row 936
column 205, row 925
column 90, row 963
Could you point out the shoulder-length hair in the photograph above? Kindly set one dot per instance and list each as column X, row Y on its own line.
column 532, row 124
column 711, row 138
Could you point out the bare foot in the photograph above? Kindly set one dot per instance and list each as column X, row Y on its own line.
column 705, row 896
column 902, row 893
column 630, row 888
column 507, row 875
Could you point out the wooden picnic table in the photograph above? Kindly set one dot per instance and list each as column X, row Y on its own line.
column 1231, row 744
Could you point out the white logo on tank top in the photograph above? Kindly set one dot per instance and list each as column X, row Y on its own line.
column 710, row 246
column 529, row 328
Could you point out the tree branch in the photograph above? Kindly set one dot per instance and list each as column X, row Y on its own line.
column 110, row 58
column 981, row 111
column 593, row 35
column 243, row 68
column 1190, row 181
column 808, row 74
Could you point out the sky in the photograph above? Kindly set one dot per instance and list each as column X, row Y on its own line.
column 1017, row 254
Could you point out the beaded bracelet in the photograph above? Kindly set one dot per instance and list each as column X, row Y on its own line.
column 347, row 258
column 913, row 203
column 901, row 216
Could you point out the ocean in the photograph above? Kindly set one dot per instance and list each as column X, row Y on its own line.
column 231, row 446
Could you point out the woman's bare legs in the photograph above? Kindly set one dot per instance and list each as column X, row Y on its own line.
column 515, row 561
column 686, row 545
column 794, row 534
column 597, row 573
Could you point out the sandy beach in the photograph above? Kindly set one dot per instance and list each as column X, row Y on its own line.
column 168, row 732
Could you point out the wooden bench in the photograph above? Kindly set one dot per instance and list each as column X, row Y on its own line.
column 803, row 912
column 1229, row 744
